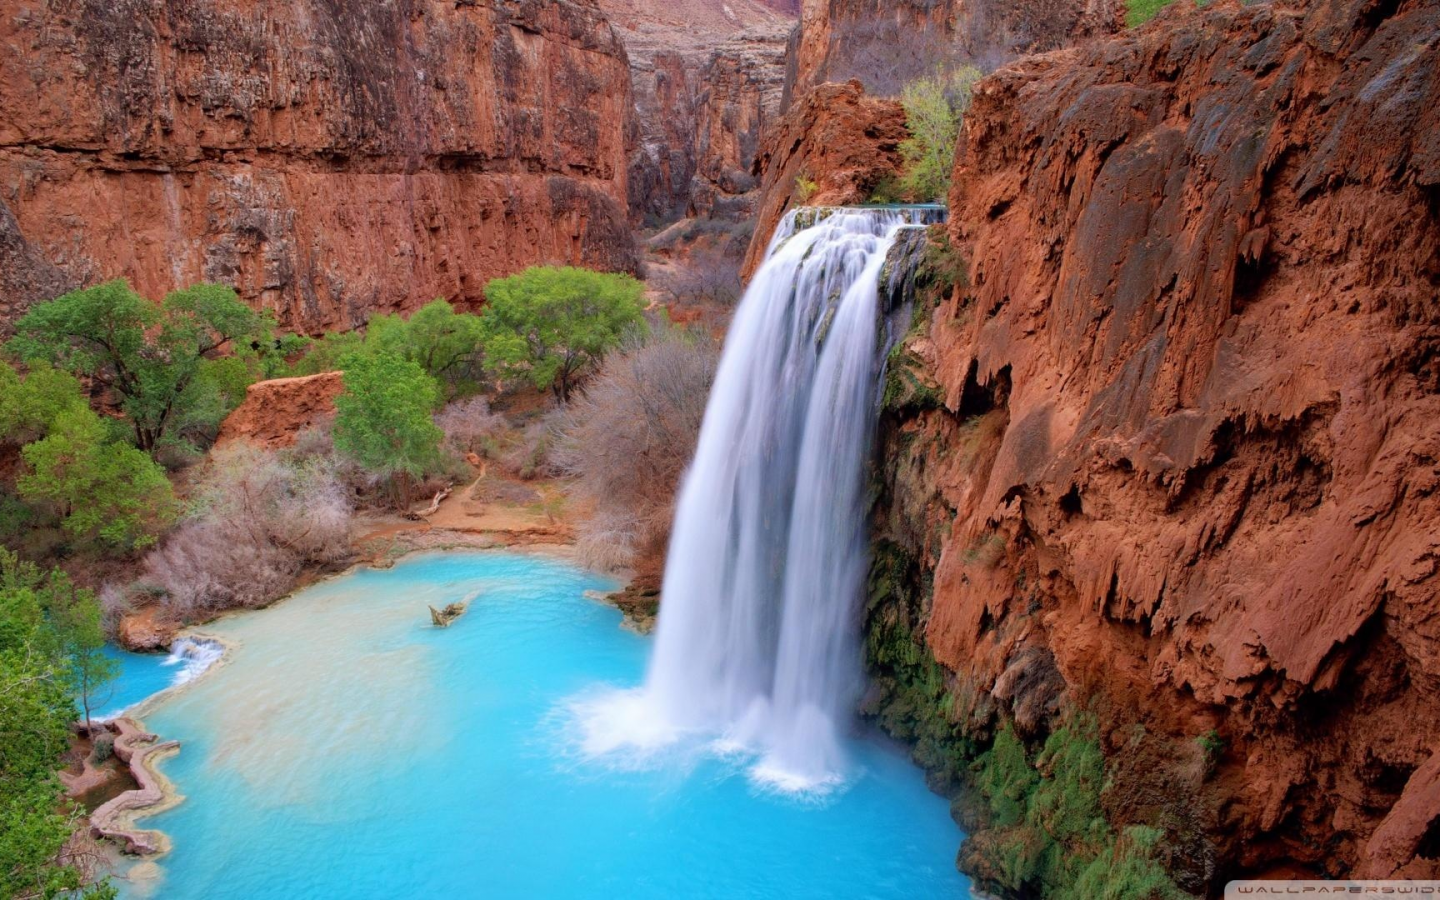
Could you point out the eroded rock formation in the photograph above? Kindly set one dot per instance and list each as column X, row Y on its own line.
column 277, row 411
column 707, row 77
column 832, row 148
column 1173, row 447
column 330, row 160
column 885, row 43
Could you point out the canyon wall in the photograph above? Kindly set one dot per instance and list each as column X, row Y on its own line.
column 1168, row 450
column 707, row 77
column 885, row 43
column 329, row 159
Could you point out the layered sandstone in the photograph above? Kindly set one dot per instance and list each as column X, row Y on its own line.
column 329, row 160
column 276, row 412
column 707, row 77
column 885, row 43
column 830, row 149
column 1181, row 459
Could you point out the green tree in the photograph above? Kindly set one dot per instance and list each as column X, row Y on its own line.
column 74, row 614
column 102, row 490
column 36, row 707
column 446, row 344
column 933, row 111
column 551, row 324
column 151, row 355
column 28, row 406
column 383, row 418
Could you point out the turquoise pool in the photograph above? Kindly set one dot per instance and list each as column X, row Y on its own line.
column 350, row 749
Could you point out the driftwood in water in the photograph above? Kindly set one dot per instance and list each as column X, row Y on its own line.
column 443, row 617
column 434, row 505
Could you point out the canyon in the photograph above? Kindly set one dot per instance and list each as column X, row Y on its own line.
column 1160, row 444
column 707, row 79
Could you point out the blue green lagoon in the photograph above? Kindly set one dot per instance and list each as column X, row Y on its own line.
column 348, row 748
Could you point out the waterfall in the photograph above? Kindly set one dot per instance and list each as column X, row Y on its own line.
column 757, row 639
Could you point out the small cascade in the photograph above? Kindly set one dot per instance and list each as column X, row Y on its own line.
column 757, row 640
column 193, row 656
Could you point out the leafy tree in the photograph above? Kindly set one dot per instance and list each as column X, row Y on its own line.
column 103, row 490
column 325, row 353
column 36, row 707
column 551, row 324
column 151, row 355
column 75, row 617
column 445, row 343
column 28, row 406
column 933, row 110
column 383, row 417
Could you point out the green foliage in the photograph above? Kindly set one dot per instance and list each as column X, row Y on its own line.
column 1006, row 778
column 383, row 418
column 1053, row 838
column 74, row 616
column 805, row 187
column 103, row 491
column 942, row 268
column 325, row 353
column 887, row 190
column 1212, row 747
column 28, row 406
column 35, row 710
column 152, row 356
column 1127, row 870
column 918, row 703
column 552, row 324
column 933, row 110
column 1138, row 12
column 446, row 344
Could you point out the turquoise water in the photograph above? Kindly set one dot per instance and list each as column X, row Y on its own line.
column 349, row 749
column 141, row 675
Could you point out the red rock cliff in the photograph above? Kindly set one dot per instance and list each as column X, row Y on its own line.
column 1185, row 461
column 707, row 76
column 329, row 159
column 885, row 43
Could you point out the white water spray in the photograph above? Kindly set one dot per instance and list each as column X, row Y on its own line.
column 757, row 640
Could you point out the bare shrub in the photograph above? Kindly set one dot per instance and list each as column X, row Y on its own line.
column 470, row 426
column 258, row 522
column 709, row 273
column 627, row 442
column 115, row 605
column 530, row 451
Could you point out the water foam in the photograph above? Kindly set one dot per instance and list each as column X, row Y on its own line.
column 757, row 640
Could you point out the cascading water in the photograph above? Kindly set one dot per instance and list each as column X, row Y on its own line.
column 757, row 637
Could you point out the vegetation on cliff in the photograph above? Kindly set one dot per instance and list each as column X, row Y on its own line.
column 1033, row 808
column 934, row 108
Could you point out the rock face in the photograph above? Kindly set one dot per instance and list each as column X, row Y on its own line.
column 1180, row 462
column 830, row 149
column 26, row 276
column 707, row 77
column 275, row 412
column 328, row 159
column 885, row 43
